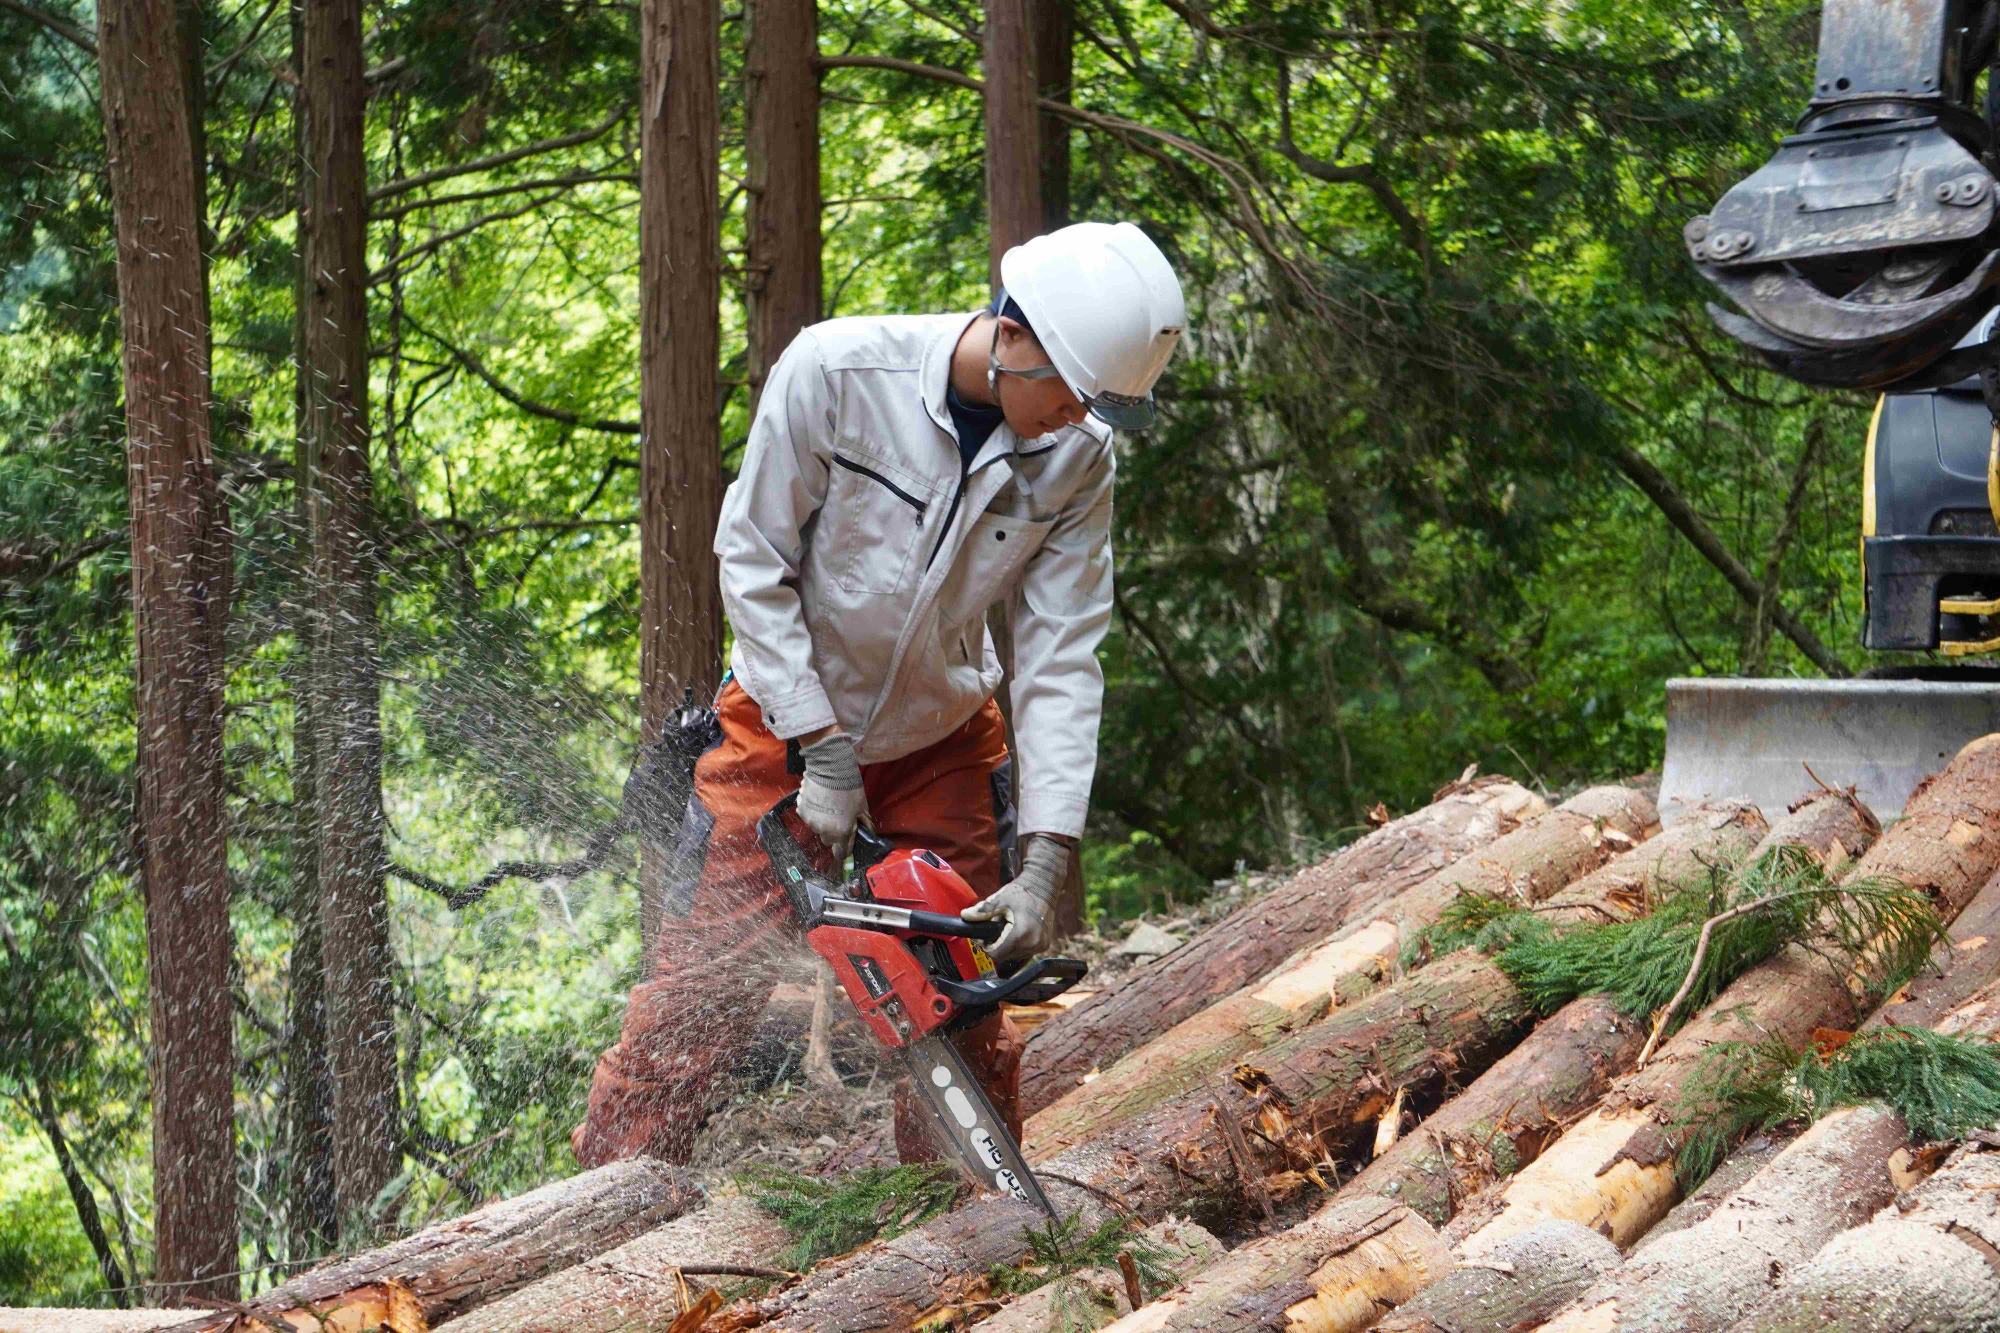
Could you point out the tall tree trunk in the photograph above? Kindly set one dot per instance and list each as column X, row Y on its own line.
column 1055, row 42
column 1013, row 158
column 312, row 1218
column 680, row 463
column 345, row 707
column 180, row 607
column 781, row 145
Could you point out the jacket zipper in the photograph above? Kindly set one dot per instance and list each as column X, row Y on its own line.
column 912, row 501
column 944, row 528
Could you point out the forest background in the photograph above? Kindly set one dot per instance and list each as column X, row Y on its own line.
column 1451, row 470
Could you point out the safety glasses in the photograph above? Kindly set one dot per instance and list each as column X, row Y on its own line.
column 1121, row 410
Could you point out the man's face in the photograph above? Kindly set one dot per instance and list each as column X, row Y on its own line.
column 1032, row 407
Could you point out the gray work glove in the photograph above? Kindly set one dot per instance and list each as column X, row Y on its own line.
column 831, row 800
column 1027, row 902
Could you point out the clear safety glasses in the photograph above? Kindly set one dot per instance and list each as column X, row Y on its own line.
column 1121, row 410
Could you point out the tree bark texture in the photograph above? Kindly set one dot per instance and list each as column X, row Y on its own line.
column 312, row 1218
column 413, row 1284
column 1537, row 859
column 346, row 747
column 680, row 463
column 1527, row 1275
column 1704, row 1277
column 180, row 607
column 1614, row 1171
column 1541, row 857
column 638, row 1287
column 1215, row 1153
column 1250, row 942
column 1013, row 154
column 1928, row 1264
column 781, row 151
column 1055, row 62
column 1968, row 962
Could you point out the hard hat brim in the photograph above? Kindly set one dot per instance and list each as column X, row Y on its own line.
column 1124, row 416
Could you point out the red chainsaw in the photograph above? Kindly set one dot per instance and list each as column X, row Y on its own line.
column 916, row 971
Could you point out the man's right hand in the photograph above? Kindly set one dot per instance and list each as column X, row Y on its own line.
column 831, row 799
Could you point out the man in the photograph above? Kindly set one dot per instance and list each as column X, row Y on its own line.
column 902, row 475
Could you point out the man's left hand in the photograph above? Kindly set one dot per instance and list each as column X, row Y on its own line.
column 1027, row 902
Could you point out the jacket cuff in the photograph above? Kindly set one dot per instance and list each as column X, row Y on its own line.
column 797, row 713
column 1052, row 812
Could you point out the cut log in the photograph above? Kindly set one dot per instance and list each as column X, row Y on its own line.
column 1383, row 1253
column 1247, row 944
column 1213, row 1151
column 1352, row 1286
column 1834, row 1176
column 1746, row 1161
column 1545, row 854
column 1968, row 964
column 640, row 1285
column 1928, row 1264
column 1098, row 1295
column 1530, row 1273
column 1706, row 1276
column 415, row 1283
column 1501, row 1121
column 1614, row 1171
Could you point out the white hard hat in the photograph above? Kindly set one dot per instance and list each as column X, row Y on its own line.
column 1106, row 307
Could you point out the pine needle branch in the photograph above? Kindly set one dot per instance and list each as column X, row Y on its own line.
column 1701, row 944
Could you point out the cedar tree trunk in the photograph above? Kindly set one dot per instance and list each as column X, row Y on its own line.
column 781, row 148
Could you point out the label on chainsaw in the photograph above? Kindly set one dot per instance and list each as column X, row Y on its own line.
column 871, row 975
column 985, row 1148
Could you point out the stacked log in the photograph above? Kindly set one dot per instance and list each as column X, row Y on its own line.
column 1231, row 953
column 422, row 1280
column 1930, row 1263
column 1320, row 1276
column 1540, row 857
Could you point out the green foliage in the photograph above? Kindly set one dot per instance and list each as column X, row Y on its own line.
column 829, row 1217
column 1942, row 1087
column 1783, row 897
column 43, row 1256
column 1060, row 1249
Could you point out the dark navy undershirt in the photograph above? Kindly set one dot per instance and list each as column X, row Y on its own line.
column 973, row 421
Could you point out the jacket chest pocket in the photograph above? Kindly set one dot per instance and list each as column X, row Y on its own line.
column 994, row 552
column 876, row 521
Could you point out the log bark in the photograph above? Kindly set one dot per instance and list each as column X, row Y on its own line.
column 1614, row 1171
column 1249, row 943
column 639, row 1285
column 180, row 608
column 418, row 1282
column 1704, row 1277
column 1361, row 1256
column 1013, row 151
column 1542, row 856
column 1832, row 1177
column 1969, row 962
column 1928, row 1264
column 1213, row 1152
column 1515, row 1285
column 1501, row 1122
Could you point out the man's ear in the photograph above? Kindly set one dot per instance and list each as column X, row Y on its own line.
column 1013, row 332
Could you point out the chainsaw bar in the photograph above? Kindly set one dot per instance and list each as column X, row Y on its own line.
column 968, row 1128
